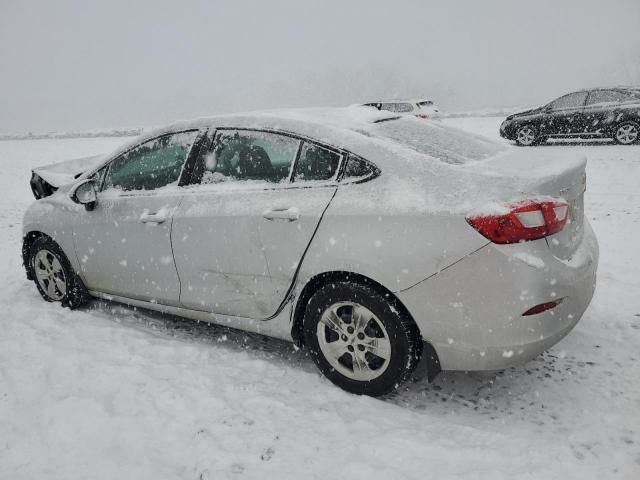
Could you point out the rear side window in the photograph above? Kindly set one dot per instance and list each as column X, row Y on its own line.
column 612, row 96
column 316, row 163
column 397, row 107
column 359, row 169
column 152, row 165
column 250, row 155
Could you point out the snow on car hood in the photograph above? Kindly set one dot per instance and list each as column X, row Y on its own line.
column 62, row 173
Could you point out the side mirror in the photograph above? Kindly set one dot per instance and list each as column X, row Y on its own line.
column 85, row 194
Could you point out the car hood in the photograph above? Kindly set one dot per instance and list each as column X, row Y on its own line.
column 47, row 179
column 61, row 173
column 525, row 113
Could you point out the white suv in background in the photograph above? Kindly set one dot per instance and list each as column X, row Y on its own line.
column 420, row 107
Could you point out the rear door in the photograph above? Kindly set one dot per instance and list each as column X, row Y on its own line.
column 124, row 244
column 601, row 109
column 241, row 231
column 565, row 116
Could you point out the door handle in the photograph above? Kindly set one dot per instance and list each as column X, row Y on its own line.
column 290, row 214
column 147, row 217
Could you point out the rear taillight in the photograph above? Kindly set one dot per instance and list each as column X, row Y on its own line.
column 542, row 307
column 522, row 221
column 422, row 115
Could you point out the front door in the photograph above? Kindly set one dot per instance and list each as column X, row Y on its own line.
column 565, row 115
column 240, row 233
column 124, row 244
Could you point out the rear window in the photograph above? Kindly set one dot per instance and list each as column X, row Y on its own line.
column 426, row 103
column 447, row 144
column 399, row 107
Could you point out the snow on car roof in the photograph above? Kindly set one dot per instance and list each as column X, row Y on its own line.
column 376, row 135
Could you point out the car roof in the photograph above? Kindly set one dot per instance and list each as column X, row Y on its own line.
column 402, row 100
column 337, row 127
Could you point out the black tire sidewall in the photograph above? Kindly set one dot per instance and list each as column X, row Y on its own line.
column 622, row 124
column 405, row 350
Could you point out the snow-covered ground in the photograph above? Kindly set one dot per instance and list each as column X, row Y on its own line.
column 110, row 392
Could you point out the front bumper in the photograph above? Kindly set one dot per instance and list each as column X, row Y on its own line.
column 472, row 311
column 503, row 129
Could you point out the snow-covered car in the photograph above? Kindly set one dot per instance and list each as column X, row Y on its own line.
column 600, row 113
column 420, row 108
column 371, row 240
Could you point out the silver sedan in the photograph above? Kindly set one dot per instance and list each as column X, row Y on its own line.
column 374, row 241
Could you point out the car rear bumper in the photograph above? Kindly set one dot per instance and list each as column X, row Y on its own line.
column 472, row 311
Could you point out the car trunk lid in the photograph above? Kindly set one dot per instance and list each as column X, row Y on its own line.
column 542, row 174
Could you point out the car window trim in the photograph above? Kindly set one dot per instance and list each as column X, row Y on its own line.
column 109, row 164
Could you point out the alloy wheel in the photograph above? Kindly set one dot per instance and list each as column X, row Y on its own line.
column 50, row 274
column 627, row 134
column 354, row 341
column 526, row 135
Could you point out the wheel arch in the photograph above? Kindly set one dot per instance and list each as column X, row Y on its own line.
column 317, row 281
column 28, row 240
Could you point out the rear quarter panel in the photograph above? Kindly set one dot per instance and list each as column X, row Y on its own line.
column 365, row 231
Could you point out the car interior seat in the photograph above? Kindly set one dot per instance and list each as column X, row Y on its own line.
column 255, row 164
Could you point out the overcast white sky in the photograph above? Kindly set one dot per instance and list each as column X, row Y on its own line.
column 86, row 64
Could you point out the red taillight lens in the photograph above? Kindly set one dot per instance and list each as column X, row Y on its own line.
column 543, row 307
column 522, row 221
column 422, row 115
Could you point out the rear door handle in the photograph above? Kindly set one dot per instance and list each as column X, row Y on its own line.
column 147, row 217
column 290, row 214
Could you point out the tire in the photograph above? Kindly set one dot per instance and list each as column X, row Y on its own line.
column 626, row 133
column 527, row 136
column 52, row 273
column 362, row 322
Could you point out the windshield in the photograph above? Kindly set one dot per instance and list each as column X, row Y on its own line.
column 445, row 143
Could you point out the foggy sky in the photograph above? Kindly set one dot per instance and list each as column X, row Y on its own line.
column 68, row 65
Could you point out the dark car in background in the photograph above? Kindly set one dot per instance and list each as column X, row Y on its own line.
column 597, row 113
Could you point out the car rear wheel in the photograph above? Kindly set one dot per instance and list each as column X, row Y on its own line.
column 359, row 340
column 52, row 273
column 527, row 135
column 627, row 133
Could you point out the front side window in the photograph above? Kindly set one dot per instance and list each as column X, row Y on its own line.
column 573, row 100
column 316, row 163
column 152, row 165
column 250, row 155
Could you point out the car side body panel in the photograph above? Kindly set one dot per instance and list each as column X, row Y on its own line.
column 55, row 216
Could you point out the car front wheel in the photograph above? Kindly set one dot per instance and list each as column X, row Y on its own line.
column 527, row 135
column 359, row 339
column 52, row 273
column 627, row 133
